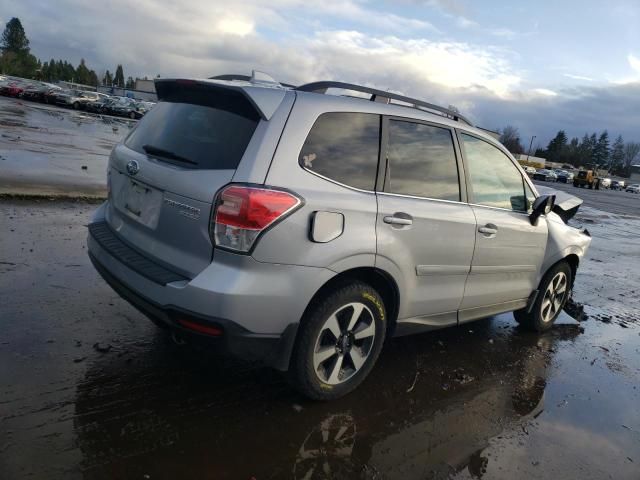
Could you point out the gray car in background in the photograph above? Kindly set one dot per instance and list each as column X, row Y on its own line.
column 303, row 229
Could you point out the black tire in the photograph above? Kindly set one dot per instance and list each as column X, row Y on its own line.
column 303, row 375
column 76, row 106
column 535, row 320
column 132, row 115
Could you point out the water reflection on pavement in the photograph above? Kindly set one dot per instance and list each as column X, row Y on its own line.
column 91, row 389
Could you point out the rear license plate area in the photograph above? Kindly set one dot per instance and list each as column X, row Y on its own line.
column 140, row 202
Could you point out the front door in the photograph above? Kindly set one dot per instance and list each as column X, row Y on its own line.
column 509, row 250
column 425, row 233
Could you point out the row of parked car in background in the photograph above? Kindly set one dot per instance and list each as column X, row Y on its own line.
column 72, row 98
column 548, row 175
column 581, row 178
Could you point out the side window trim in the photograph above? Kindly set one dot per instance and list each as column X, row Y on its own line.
column 470, row 194
column 383, row 170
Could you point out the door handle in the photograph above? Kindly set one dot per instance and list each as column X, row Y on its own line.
column 488, row 229
column 393, row 220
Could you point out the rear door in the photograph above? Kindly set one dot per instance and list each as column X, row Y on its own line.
column 425, row 231
column 509, row 250
column 164, row 177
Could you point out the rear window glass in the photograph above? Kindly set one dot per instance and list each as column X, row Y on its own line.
column 344, row 147
column 193, row 136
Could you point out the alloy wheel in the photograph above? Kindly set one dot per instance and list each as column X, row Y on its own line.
column 344, row 343
column 554, row 297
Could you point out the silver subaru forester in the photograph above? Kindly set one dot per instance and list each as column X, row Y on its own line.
column 299, row 228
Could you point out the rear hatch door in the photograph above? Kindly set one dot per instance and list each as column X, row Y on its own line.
column 164, row 176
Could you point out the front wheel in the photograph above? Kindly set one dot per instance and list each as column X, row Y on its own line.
column 339, row 340
column 553, row 294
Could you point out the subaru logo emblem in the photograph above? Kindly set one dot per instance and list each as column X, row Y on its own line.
column 133, row 167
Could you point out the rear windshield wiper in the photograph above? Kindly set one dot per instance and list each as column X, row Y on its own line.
column 161, row 152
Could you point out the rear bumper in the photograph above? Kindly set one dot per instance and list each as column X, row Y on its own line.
column 272, row 350
column 256, row 305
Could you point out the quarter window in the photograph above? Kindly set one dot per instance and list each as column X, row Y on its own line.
column 421, row 161
column 344, row 147
column 495, row 180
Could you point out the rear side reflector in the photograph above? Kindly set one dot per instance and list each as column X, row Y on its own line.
column 200, row 328
column 242, row 213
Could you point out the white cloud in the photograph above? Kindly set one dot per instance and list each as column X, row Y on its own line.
column 235, row 26
column 545, row 92
column 577, row 77
column 293, row 41
column 634, row 62
column 448, row 64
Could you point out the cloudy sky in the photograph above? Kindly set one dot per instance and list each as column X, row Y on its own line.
column 541, row 66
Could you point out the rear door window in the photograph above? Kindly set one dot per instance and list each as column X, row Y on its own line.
column 344, row 147
column 421, row 161
column 193, row 135
column 494, row 179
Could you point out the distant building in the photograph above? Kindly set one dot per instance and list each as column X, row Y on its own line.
column 144, row 85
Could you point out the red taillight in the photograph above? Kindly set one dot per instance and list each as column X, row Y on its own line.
column 243, row 212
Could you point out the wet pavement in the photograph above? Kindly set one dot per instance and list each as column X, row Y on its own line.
column 49, row 150
column 611, row 201
column 91, row 389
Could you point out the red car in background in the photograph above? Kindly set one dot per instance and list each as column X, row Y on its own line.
column 11, row 90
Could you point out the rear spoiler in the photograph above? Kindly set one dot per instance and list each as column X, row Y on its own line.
column 265, row 100
column 566, row 205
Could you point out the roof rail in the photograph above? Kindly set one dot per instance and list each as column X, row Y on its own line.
column 245, row 78
column 382, row 96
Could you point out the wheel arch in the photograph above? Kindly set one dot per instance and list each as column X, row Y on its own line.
column 380, row 280
column 572, row 259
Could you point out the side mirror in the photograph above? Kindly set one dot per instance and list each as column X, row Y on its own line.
column 542, row 205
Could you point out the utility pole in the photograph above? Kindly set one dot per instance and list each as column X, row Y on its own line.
column 530, row 144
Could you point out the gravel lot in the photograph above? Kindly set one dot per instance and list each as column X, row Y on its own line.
column 91, row 389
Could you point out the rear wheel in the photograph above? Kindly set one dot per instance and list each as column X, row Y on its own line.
column 76, row 105
column 132, row 115
column 553, row 294
column 339, row 341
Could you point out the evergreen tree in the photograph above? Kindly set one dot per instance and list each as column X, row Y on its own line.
column 14, row 39
column 572, row 154
column 45, row 71
column 584, row 151
column 108, row 79
column 15, row 58
column 557, row 146
column 118, row 78
column 130, row 83
column 601, row 149
column 82, row 73
column 53, row 71
column 93, row 78
column 616, row 159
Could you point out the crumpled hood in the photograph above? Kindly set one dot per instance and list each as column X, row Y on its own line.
column 566, row 205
